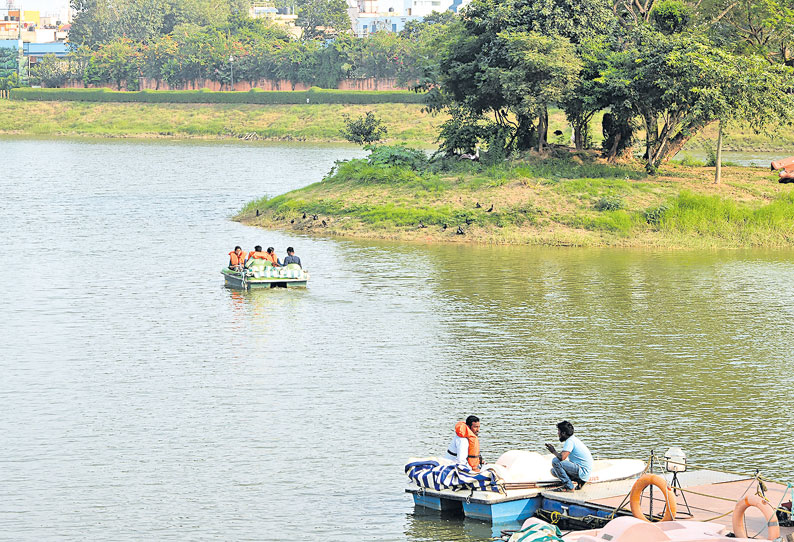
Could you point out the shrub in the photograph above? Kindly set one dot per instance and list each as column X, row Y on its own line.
column 609, row 203
column 671, row 16
column 398, row 155
column 654, row 215
column 363, row 130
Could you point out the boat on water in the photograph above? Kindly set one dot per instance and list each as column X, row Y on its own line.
column 511, row 489
column 631, row 529
column 262, row 274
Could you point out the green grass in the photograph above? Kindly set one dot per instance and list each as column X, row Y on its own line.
column 406, row 123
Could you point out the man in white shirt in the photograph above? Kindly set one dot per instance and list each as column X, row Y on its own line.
column 461, row 446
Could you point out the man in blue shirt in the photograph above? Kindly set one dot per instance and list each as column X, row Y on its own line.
column 291, row 258
column 574, row 462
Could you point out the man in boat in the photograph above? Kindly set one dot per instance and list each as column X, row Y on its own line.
column 257, row 254
column 236, row 258
column 574, row 463
column 291, row 258
column 465, row 446
column 270, row 255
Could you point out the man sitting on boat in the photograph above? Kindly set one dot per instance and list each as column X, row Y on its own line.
column 270, row 255
column 574, row 463
column 256, row 254
column 465, row 446
column 236, row 258
column 291, row 258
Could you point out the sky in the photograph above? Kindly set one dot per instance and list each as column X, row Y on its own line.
column 40, row 5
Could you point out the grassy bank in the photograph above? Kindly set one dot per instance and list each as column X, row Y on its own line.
column 315, row 123
column 553, row 201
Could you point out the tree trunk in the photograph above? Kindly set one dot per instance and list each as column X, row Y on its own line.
column 578, row 139
column 718, row 169
column 677, row 143
column 543, row 128
column 651, row 137
column 614, row 150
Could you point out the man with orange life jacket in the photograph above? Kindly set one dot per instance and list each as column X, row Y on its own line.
column 257, row 254
column 236, row 258
column 270, row 255
column 465, row 446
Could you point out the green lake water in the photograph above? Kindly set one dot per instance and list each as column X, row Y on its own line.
column 142, row 400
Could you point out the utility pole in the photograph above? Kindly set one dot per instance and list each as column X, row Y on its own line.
column 21, row 54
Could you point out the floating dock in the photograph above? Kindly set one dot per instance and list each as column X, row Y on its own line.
column 705, row 495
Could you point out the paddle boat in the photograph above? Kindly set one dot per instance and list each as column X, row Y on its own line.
column 262, row 274
column 631, row 529
column 514, row 488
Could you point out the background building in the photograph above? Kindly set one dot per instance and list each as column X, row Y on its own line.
column 391, row 15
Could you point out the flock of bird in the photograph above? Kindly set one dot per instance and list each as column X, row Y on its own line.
column 444, row 226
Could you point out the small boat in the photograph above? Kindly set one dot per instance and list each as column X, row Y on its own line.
column 262, row 274
column 512, row 489
column 630, row 529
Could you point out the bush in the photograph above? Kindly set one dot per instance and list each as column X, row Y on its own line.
column 609, row 203
column 671, row 16
column 654, row 215
column 256, row 96
column 398, row 155
column 363, row 130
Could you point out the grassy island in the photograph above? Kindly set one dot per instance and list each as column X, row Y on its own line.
column 560, row 199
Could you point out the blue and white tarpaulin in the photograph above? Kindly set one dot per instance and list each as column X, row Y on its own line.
column 433, row 475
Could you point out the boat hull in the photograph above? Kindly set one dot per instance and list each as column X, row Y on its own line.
column 236, row 280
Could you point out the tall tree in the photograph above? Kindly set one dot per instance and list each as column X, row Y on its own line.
column 472, row 68
column 322, row 18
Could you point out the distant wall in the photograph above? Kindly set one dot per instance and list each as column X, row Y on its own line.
column 263, row 84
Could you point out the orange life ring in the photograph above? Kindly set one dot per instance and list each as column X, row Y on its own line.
column 636, row 493
column 756, row 501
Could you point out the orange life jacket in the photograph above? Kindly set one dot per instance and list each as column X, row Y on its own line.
column 257, row 255
column 271, row 257
column 236, row 259
column 464, row 431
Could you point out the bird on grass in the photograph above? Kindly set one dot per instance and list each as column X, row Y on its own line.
column 478, row 206
column 460, row 231
column 257, row 212
column 444, row 227
column 292, row 221
column 324, row 224
column 421, row 225
column 304, row 216
column 314, row 217
column 469, row 221
column 489, row 209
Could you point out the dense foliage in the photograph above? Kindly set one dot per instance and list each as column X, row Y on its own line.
column 180, row 42
column 668, row 67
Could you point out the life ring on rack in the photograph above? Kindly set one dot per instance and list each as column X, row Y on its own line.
column 636, row 493
column 739, row 529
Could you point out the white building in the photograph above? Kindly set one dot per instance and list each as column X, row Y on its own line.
column 391, row 15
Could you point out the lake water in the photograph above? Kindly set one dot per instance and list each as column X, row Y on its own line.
column 142, row 400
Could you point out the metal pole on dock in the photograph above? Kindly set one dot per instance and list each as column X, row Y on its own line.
column 650, row 469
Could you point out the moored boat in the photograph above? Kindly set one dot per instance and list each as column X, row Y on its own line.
column 513, row 489
column 262, row 274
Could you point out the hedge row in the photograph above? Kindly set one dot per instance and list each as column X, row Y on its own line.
column 254, row 96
